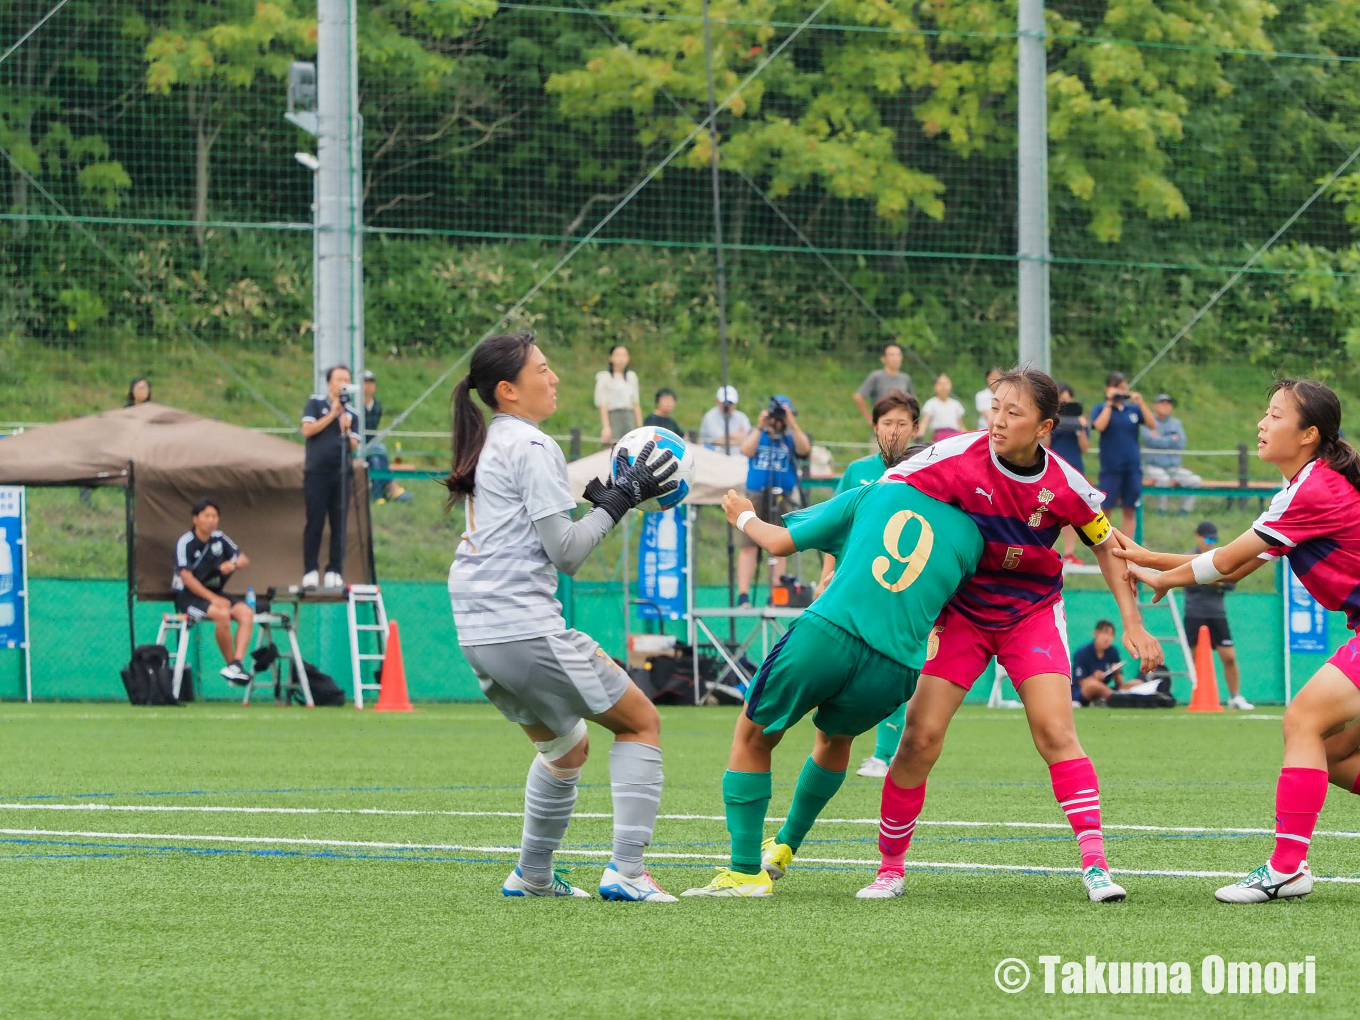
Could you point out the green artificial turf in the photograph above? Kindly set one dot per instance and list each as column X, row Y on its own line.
column 108, row 913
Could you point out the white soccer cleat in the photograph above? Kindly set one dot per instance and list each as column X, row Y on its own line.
column 885, row 886
column 873, row 768
column 614, row 885
column 1265, row 884
column 311, row 579
column 516, row 885
column 333, row 580
column 1099, row 887
column 1240, row 703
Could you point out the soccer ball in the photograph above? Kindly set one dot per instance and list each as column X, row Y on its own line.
column 665, row 439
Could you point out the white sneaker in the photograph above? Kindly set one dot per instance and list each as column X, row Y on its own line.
column 616, row 886
column 311, row 579
column 885, row 886
column 873, row 768
column 516, row 885
column 333, row 580
column 1099, row 887
column 1240, row 703
column 235, row 673
column 1265, row 884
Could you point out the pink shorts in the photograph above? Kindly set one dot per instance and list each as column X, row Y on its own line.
column 960, row 650
column 1347, row 659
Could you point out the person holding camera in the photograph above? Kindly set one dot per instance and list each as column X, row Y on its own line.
column 326, row 425
column 1121, row 466
column 771, row 478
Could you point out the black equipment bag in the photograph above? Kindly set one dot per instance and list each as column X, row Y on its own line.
column 148, row 678
column 325, row 691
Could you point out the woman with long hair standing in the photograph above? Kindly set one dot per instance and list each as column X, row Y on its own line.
column 1314, row 521
column 538, row 672
column 616, row 395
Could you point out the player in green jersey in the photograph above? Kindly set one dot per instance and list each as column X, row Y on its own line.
column 896, row 417
column 853, row 655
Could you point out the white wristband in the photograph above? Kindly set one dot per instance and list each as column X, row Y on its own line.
column 744, row 518
column 1204, row 569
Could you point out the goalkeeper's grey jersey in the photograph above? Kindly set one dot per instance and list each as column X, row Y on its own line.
column 502, row 585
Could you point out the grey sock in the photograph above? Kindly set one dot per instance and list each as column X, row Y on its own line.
column 635, row 779
column 548, row 803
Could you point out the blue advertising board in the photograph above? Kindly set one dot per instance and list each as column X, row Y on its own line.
column 1307, row 619
column 12, row 562
column 662, row 562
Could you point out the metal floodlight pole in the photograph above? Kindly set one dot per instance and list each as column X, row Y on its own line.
column 338, row 274
column 1032, row 220
column 720, row 279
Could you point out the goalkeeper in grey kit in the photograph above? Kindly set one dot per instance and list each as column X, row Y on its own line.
column 503, row 583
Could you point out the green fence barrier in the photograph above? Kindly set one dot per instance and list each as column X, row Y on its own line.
column 80, row 640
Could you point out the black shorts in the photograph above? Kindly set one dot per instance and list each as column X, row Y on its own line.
column 1219, row 635
column 197, row 608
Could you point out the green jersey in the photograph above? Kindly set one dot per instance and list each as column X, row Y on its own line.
column 900, row 556
column 861, row 472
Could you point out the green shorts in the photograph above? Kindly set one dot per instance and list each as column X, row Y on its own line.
column 818, row 665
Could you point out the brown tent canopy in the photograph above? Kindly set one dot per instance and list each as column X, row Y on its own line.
column 176, row 458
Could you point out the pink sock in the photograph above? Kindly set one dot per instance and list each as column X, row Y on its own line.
column 1078, row 792
column 1355, row 786
column 897, row 815
column 1299, row 796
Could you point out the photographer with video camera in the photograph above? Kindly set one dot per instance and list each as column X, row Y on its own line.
column 1121, row 464
column 327, row 422
column 1070, row 440
column 772, row 448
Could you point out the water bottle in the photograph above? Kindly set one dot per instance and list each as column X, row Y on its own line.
column 6, row 582
column 668, row 555
column 250, row 598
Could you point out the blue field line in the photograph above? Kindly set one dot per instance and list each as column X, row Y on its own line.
column 917, row 840
column 963, row 783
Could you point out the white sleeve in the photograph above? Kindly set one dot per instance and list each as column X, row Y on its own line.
column 601, row 389
column 543, row 479
column 633, row 387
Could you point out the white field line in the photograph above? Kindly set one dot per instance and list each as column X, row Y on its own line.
column 466, row 848
column 404, row 813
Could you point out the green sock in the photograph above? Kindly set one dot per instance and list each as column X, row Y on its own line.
column 746, row 796
column 890, row 732
column 815, row 787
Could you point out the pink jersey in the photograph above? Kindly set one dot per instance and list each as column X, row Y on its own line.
column 1019, row 516
column 1315, row 521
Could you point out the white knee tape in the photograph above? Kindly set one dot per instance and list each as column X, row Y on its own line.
column 558, row 746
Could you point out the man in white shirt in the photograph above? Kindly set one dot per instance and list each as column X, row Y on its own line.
column 723, row 419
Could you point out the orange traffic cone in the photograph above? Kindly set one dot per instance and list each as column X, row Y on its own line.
column 1205, row 697
column 392, row 692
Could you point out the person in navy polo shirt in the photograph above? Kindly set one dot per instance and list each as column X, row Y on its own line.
column 1121, row 463
column 1097, row 669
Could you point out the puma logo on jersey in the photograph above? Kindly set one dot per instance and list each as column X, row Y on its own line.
column 983, row 492
column 535, row 442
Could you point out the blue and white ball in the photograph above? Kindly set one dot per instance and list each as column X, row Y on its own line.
column 665, row 439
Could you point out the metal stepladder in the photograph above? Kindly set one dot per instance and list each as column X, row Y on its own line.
column 1172, row 605
column 365, row 595
column 265, row 622
column 181, row 624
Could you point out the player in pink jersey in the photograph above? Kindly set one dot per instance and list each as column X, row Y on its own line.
column 1315, row 522
column 1020, row 495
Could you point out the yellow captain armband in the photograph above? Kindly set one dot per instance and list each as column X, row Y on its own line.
column 1095, row 532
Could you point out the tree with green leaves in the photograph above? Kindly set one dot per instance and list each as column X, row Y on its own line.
column 210, row 54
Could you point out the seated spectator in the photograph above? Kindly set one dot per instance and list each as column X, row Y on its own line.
column 661, row 414
column 1097, row 668
column 982, row 400
column 723, row 426
column 382, row 489
column 1162, row 464
column 204, row 558
column 1070, row 440
column 882, row 381
column 941, row 415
